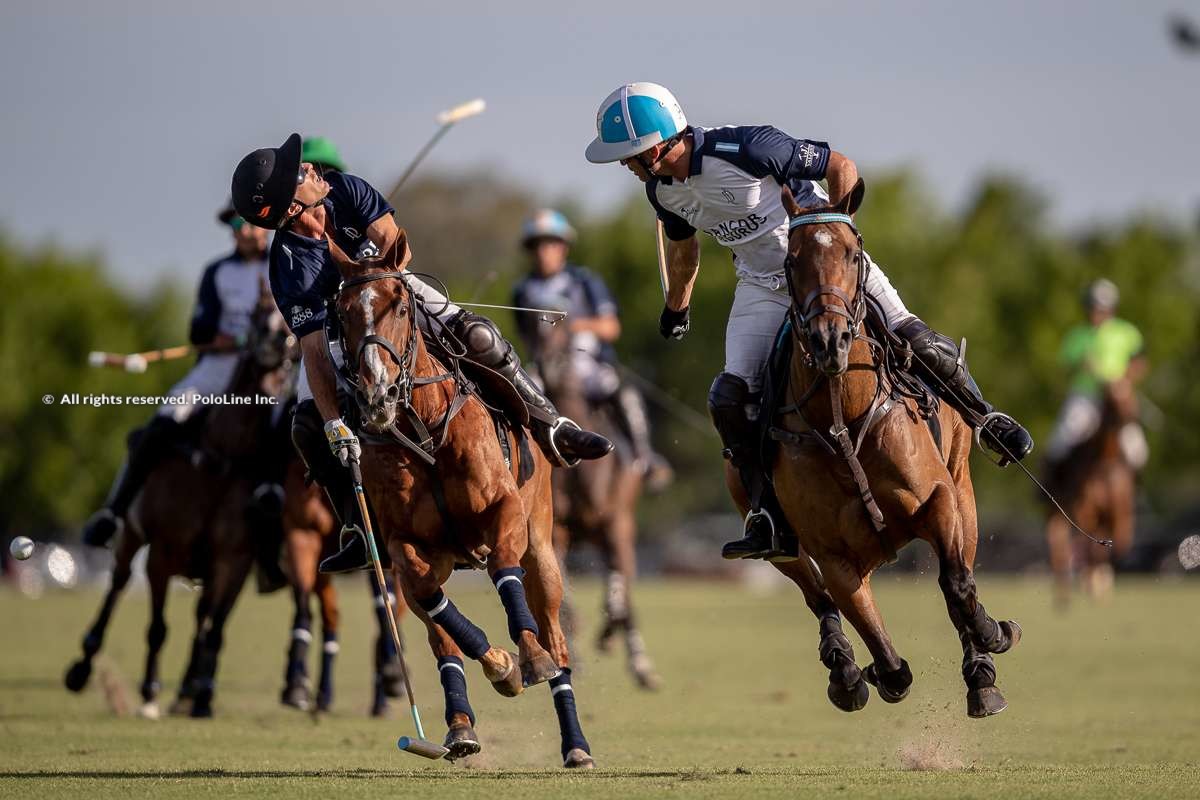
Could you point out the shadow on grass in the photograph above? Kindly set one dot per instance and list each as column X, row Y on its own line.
column 372, row 774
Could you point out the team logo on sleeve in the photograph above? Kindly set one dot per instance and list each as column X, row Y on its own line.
column 808, row 152
column 300, row 315
column 728, row 195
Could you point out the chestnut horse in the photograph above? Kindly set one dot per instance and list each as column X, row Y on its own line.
column 853, row 505
column 444, row 494
column 310, row 526
column 597, row 500
column 192, row 511
column 1096, row 487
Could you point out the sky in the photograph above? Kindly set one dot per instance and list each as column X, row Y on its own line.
column 123, row 120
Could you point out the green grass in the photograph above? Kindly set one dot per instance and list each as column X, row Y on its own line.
column 1104, row 702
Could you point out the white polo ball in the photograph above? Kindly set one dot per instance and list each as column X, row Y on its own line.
column 21, row 548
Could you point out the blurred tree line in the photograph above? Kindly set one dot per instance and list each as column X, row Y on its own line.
column 995, row 272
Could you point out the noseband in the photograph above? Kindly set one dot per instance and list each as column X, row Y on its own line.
column 804, row 312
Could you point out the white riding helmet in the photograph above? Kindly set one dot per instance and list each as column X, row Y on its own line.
column 633, row 119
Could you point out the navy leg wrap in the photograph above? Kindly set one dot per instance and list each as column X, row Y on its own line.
column 568, row 719
column 297, row 667
column 469, row 638
column 454, row 685
column 329, row 653
column 385, row 638
column 512, row 594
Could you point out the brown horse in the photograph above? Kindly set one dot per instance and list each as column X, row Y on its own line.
column 309, row 528
column 453, row 486
column 1095, row 485
column 597, row 500
column 852, row 506
column 192, row 512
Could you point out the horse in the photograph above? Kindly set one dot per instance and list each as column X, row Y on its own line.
column 597, row 500
column 1096, row 487
column 192, row 513
column 453, row 485
column 309, row 525
column 852, row 504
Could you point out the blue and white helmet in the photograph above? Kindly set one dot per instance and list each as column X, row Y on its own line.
column 633, row 119
column 547, row 224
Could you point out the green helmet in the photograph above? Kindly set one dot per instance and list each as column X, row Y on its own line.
column 322, row 152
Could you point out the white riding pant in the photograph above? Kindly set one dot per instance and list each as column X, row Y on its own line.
column 211, row 376
column 1079, row 418
column 436, row 301
column 759, row 307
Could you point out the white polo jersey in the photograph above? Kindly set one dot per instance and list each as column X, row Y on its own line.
column 732, row 193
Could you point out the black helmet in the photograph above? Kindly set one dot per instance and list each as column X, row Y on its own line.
column 264, row 183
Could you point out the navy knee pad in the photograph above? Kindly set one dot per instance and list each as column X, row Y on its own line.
column 512, row 594
column 465, row 634
column 454, row 685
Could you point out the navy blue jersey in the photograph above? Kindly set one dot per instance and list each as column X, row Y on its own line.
column 303, row 275
column 732, row 191
column 227, row 298
column 576, row 290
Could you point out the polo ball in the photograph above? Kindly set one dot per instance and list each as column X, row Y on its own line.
column 21, row 548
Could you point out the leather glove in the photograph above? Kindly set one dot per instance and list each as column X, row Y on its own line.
column 673, row 324
column 342, row 441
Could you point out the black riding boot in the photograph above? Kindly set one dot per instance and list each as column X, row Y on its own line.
column 631, row 415
column 560, row 438
column 308, row 435
column 765, row 534
column 943, row 365
column 265, row 512
column 147, row 446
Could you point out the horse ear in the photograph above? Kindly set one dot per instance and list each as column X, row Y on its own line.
column 853, row 198
column 399, row 253
column 789, row 203
column 347, row 266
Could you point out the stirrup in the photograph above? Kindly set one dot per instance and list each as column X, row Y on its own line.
column 999, row 459
column 777, row 551
column 352, row 529
column 562, row 460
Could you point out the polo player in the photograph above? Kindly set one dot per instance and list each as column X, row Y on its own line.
column 274, row 189
column 727, row 182
column 554, row 282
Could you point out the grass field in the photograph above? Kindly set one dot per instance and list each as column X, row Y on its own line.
column 1104, row 702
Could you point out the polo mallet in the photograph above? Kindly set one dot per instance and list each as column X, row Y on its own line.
column 419, row 746
column 446, row 119
column 662, row 256
column 137, row 362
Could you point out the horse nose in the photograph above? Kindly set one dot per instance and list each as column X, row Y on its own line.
column 844, row 340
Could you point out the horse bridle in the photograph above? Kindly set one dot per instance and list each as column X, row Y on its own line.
column 804, row 312
column 399, row 390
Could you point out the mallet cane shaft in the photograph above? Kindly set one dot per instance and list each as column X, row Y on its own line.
column 420, row 746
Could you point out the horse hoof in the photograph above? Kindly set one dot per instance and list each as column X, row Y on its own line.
column 202, row 706
column 647, row 679
column 578, row 758
column 393, row 679
column 985, row 702
column 508, row 683
column 149, row 711
column 324, row 703
column 296, row 697
column 1012, row 634
column 538, row 669
column 461, row 741
column 182, row 707
column 890, row 694
column 380, row 710
column 77, row 676
column 851, row 699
